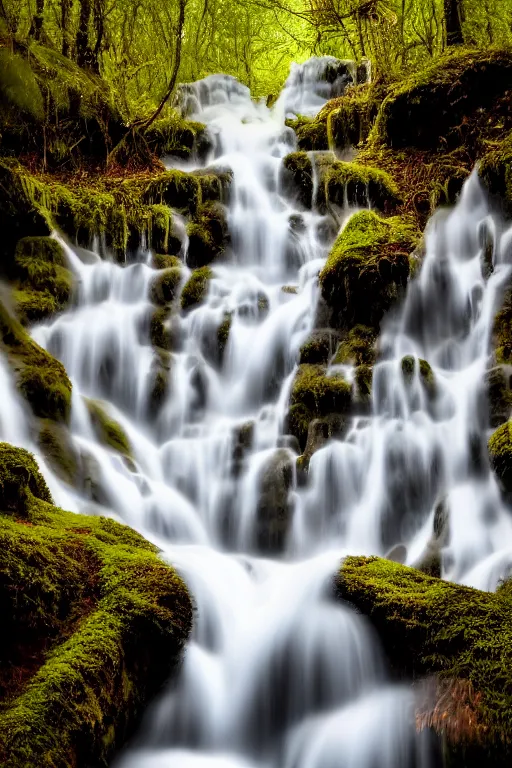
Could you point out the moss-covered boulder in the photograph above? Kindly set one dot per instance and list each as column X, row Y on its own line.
column 41, row 379
column 196, row 287
column 428, row 109
column 165, row 286
column 498, row 381
column 431, row 627
column 349, row 118
column 207, row 235
column 500, row 455
column 316, row 395
column 43, row 284
column 340, row 183
column 275, row 509
column 412, row 366
column 311, row 133
column 93, row 623
column 367, row 269
column 319, row 348
column 357, row 347
column 177, row 137
column 107, row 429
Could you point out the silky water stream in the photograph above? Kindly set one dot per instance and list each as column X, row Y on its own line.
column 277, row 673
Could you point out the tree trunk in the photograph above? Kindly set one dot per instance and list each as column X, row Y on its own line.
column 452, row 17
column 36, row 26
column 65, row 8
column 83, row 51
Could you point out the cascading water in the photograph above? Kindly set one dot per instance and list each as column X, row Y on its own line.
column 277, row 672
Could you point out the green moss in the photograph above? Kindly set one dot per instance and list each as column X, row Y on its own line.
column 502, row 331
column 410, row 365
column 318, row 348
column 350, row 117
column 428, row 109
column 367, row 269
column 363, row 378
column 500, row 454
column 89, row 609
column 196, row 288
column 107, row 429
column 163, row 261
column 158, row 330
column 43, row 284
column 357, row 348
column 433, row 627
column 165, row 285
column 161, row 228
column 311, row 134
column 299, row 168
column 499, row 395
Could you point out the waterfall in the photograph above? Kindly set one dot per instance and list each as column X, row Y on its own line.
column 277, row 673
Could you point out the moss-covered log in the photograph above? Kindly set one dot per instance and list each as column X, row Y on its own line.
column 93, row 623
column 432, row 627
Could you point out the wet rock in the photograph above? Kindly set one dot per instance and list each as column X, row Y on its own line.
column 208, row 235
column 499, row 394
column 319, row 348
column 275, row 508
column 500, row 455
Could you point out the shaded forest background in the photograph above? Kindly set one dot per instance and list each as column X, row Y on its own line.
column 64, row 58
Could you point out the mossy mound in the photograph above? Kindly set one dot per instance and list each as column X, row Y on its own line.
column 319, row 348
column 315, row 395
column 207, row 235
column 339, row 182
column 311, row 134
column 500, row 454
column 502, row 331
column 412, row 366
column 350, row 117
column 432, row 627
column 41, row 379
column 93, row 623
column 108, row 431
column 428, row 109
column 367, row 269
column 43, row 284
column 178, row 137
column 498, row 381
column 357, row 347
column 196, row 287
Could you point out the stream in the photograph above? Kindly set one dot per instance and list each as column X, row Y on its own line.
column 277, row 673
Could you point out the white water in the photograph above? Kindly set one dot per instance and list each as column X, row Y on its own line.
column 277, row 673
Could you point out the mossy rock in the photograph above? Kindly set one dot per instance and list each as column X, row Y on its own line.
column 498, row 381
column 432, row 627
column 427, row 109
column 196, row 288
column 178, row 137
column 315, row 395
column 57, row 447
column 159, row 333
column 166, row 261
column 319, row 348
column 165, row 286
column 349, row 118
column 502, row 331
column 41, row 379
column 367, row 269
column 223, row 335
column 495, row 172
column 411, row 366
column 340, row 182
column 311, row 133
column 207, row 235
column 108, row 431
column 160, row 382
column 357, row 347
column 500, row 455
column 43, row 285
column 93, row 623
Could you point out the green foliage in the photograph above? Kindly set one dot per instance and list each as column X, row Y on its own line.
column 43, row 285
column 89, row 608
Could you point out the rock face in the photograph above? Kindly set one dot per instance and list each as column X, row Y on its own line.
column 432, row 627
column 87, row 607
column 275, row 508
